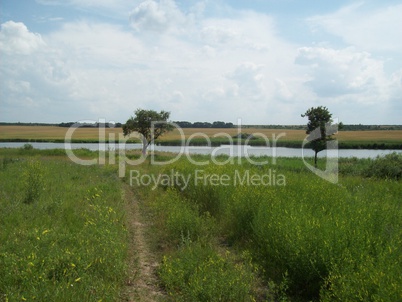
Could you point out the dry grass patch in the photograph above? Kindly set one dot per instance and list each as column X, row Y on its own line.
column 54, row 132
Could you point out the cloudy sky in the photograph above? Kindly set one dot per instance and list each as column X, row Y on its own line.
column 264, row 61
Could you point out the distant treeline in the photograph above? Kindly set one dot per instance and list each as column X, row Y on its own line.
column 217, row 124
column 26, row 124
column 205, row 125
column 361, row 127
column 91, row 125
column 357, row 127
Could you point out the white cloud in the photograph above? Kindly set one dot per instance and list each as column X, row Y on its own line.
column 199, row 67
column 283, row 91
column 249, row 79
column 98, row 45
column 371, row 30
column 345, row 72
column 16, row 39
column 218, row 35
column 157, row 16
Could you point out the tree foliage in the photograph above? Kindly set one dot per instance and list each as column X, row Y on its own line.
column 150, row 124
column 319, row 128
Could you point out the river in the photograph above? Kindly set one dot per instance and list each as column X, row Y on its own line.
column 232, row 150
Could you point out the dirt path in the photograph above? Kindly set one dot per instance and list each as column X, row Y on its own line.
column 142, row 283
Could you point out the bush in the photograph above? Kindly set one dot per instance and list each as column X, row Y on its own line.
column 27, row 147
column 388, row 166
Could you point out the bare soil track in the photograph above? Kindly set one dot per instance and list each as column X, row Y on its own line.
column 142, row 281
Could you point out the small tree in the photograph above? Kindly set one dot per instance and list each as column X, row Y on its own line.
column 150, row 124
column 319, row 129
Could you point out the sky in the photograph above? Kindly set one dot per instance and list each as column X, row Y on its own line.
column 257, row 62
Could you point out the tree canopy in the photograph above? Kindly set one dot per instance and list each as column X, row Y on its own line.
column 150, row 124
column 319, row 128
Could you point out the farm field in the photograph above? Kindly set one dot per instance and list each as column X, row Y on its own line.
column 232, row 231
column 347, row 138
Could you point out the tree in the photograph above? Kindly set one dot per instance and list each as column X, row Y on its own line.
column 150, row 124
column 319, row 129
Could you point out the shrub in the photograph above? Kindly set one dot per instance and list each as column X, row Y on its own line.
column 27, row 147
column 388, row 166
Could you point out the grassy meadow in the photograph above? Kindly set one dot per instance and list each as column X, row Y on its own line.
column 276, row 232
column 220, row 231
column 62, row 229
column 378, row 139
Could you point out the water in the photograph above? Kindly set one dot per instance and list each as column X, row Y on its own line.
column 234, row 150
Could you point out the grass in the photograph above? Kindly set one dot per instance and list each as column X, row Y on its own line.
column 200, row 273
column 234, row 232
column 306, row 240
column 63, row 235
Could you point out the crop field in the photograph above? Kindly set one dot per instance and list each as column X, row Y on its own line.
column 53, row 133
column 218, row 230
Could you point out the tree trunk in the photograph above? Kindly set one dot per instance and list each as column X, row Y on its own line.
column 144, row 146
column 315, row 159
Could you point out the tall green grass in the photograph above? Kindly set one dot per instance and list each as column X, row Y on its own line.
column 63, row 229
column 62, row 234
column 307, row 238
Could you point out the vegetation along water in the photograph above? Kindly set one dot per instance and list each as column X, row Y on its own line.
column 222, row 230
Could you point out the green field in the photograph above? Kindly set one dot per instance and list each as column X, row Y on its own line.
column 235, row 231
column 62, row 229
column 299, row 240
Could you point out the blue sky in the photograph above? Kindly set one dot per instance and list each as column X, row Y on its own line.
column 264, row 62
